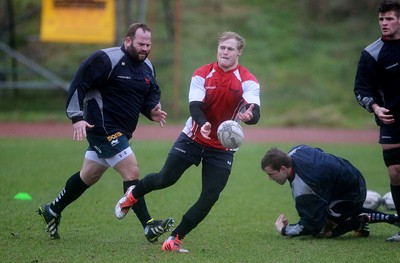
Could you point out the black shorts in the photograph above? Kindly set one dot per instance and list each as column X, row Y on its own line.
column 195, row 153
column 107, row 146
column 389, row 134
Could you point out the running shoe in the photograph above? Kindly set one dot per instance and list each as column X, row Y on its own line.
column 51, row 219
column 155, row 228
column 126, row 202
column 173, row 244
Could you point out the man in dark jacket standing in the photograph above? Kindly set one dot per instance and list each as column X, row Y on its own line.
column 377, row 89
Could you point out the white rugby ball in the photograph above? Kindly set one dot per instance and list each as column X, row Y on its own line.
column 387, row 201
column 373, row 200
column 230, row 134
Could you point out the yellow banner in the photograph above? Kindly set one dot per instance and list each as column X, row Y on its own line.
column 78, row 21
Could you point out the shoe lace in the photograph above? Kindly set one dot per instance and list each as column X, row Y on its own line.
column 160, row 226
column 177, row 241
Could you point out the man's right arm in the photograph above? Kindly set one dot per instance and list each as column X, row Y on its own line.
column 366, row 84
column 92, row 72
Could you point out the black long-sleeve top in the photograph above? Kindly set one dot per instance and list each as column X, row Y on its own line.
column 378, row 77
column 110, row 90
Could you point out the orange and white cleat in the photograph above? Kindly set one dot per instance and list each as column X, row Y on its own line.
column 174, row 244
column 125, row 203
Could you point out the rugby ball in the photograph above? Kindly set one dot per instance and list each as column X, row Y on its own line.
column 387, row 201
column 230, row 134
column 373, row 200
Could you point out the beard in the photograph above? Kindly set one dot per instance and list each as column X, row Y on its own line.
column 136, row 55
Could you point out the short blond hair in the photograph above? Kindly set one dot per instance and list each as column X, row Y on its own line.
column 241, row 42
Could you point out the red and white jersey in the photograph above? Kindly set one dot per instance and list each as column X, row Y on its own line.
column 224, row 94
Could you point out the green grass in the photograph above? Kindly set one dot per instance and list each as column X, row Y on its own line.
column 240, row 228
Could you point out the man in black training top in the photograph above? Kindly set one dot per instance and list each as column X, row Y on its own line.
column 108, row 92
column 377, row 89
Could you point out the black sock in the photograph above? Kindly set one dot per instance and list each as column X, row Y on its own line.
column 184, row 228
column 396, row 197
column 74, row 188
column 377, row 216
column 140, row 208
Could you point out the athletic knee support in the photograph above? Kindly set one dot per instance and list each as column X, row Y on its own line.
column 391, row 156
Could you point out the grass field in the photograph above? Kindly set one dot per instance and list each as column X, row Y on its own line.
column 240, row 228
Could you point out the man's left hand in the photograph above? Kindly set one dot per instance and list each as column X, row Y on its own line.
column 158, row 115
column 247, row 115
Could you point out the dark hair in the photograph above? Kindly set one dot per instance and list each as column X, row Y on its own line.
column 389, row 5
column 134, row 27
column 275, row 159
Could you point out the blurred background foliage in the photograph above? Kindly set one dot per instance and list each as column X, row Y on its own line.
column 304, row 54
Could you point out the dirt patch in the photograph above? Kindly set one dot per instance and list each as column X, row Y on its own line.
column 252, row 134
